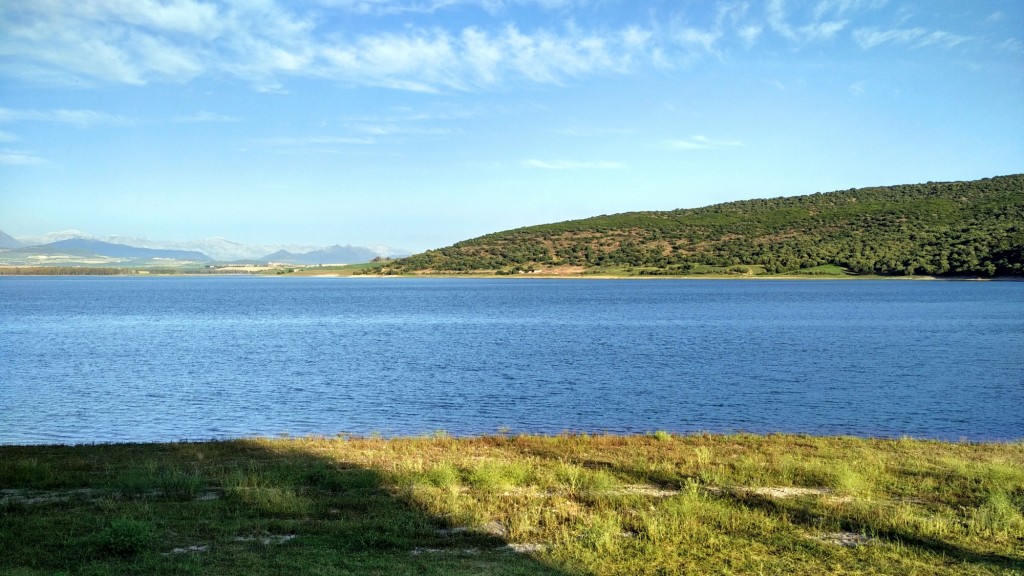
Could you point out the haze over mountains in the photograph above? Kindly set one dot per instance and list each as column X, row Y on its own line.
column 86, row 247
column 73, row 244
column 8, row 242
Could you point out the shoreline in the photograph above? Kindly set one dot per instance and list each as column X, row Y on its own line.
column 505, row 436
column 810, row 277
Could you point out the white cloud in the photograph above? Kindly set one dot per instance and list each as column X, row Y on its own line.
column 821, row 30
column 705, row 39
column 872, row 37
column 702, row 143
column 83, row 118
column 815, row 30
column 204, row 116
column 842, row 7
column 386, row 7
column 262, row 41
column 776, row 14
column 730, row 18
column 8, row 137
column 399, row 130
column 434, row 60
column 304, row 141
column 750, row 33
column 1012, row 45
column 139, row 41
column 857, row 88
column 636, row 38
column 944, row 38
column 573, row 165
column 183, row 16
column 161, row 57
column 869, row 38
column 482, row 54
column 19, row 158
column 266, row 42
column 588, row 132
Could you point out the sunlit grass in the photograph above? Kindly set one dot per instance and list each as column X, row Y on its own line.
column 570, row 504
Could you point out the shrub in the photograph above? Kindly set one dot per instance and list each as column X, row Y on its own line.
column 125, row 537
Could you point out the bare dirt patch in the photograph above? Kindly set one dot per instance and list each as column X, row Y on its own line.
column 25, row 496
column 846, row 539
column 646, row 490
column 784, row 492
column 780, row 492
column 266, row 540
column 188, row 550
column 526, row 548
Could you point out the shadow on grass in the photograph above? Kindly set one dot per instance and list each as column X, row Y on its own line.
column 800, row 513
column 241, row 507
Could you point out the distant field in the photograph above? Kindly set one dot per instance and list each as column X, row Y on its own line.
column 824, row 270
column 345, row 270
column 563, row 505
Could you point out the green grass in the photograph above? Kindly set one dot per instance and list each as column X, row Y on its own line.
column 563, row 505
column 823, row 270
column 343, row 270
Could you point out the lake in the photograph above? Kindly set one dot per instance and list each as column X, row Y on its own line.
column 110, row 359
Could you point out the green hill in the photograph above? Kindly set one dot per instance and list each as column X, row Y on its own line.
column 938, row 228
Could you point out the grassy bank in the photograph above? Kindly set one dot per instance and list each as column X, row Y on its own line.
column 564, row 505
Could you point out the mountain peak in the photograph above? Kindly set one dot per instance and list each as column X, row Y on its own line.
column 8, row 242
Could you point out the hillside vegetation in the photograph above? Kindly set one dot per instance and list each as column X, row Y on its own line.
column 937, row 228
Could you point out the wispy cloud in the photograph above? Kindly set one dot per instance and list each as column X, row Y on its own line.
column 1012, row 45
column 695, row 37
column 701, row 143
column 201, row 117
column 19, row 158
column 750, row 33
column 83, row 118
column 573, row 165
column 402, row 115
column 402, row 130
column 422, row 60
column 266, row 42
column 304, row 141
column 588, row 132
column 825, row 8
column 869, row 38
column 7, row 137
column 816, row 29
column 391, row 7
column 263, row 42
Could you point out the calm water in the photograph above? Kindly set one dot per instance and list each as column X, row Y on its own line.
column 116, row 359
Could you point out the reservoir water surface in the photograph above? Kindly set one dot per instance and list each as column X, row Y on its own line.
column 109, row 359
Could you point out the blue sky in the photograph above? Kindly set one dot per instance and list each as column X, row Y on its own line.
column 418, row 123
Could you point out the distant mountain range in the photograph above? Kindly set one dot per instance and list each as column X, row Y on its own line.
column 87, row 247
column 332, row 254
column 8, row 242
column 73, row 247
